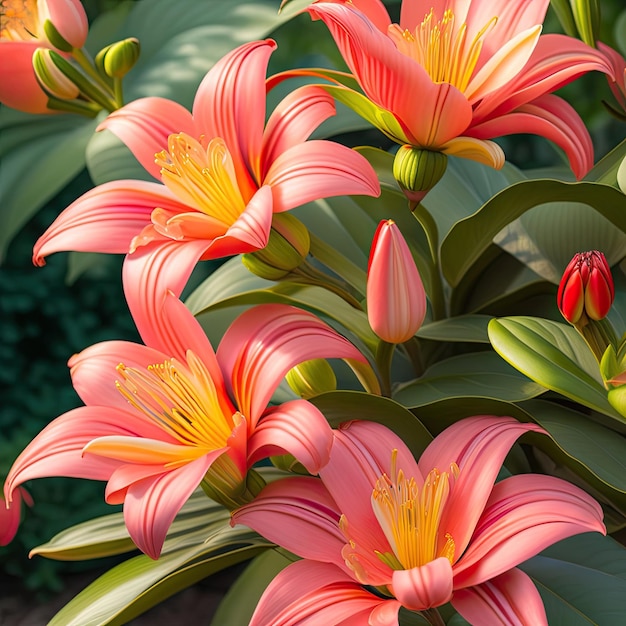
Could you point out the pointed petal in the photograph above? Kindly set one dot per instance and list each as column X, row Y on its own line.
column 93, row 370
column 298, row 514
column 152, row 504
column 431, row 113
column 307, row 592
column 524, row 514
column 510, row 599
column 295, row 427
column 504, row 65
column 479, row 150
column 105, row 219
column 478, row 445
column 424, row 587
column 375, row 12
column 145, row 124
column 265, row 342
column 319, row 169
column 293, row 120
column 148, row 274
column 11, row 514
column 230, row 103
column 58, row 449
column 550, row 117
column 19, row 88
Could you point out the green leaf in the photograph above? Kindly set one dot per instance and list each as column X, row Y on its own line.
column 465, row 328
column 345, row 406
column 480, row 374
column 40, row 155
column 555, row 356
column 469, row 238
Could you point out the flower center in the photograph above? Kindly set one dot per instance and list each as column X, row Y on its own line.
column 441, row 49
column 18, row 20
column 203, row 178
column 410, row 516
column 181, row 399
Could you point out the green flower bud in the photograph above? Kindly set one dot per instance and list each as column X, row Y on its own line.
column 311, row 378
column 418, row 170
column 119, row 58
column 52, row 79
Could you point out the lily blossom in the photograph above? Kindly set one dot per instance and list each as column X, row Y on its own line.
column 223, row 173
column 423, row 533
column 453, row 74
column 618, row 83
column 158, row 417
column 11, row 513
column 21, row 33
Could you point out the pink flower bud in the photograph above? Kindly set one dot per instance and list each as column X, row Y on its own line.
column 396, row 300
column 68, row 21
column 586, row 289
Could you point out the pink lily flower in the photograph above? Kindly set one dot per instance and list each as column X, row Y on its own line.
column 618, row 83
column 223, row 173
column 396, row 300
column 21, row 33
column 423, row 533
column 158, row 417
column 11, row 514
column 456, row 73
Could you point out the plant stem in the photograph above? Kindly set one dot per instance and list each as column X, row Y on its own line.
column 433, row 617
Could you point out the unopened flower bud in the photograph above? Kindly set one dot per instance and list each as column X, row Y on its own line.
column 396, row 300
column 286, row 249
column 51, row 78
column 586, row 290
column 64, row 23
column 311, row 378
column 418, row 171
column 117, row 59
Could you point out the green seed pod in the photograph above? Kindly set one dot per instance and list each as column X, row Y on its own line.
column 418, row 170
column 311, row 378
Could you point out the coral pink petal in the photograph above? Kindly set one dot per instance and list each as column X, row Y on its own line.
column 93, row 370
column 293, row 121
column 361, row 454
column 478, row 445
column 413, row 13
column 295, row 427
column 550, row 117
column 148, row 274
column 152, row 504
column 230, row 103
column 70, row 19
column 57, row 449
column 319, row 169
column 307, row 592
column 431, row 113
column 510, row 599
column 19, row 88
column 105, row 219
column 145, row 124
column 265, row 342
column 298, row 514
column 424, row 587
column 524, row 514
column 513, row 18
column 11, row 514
column 375, row 11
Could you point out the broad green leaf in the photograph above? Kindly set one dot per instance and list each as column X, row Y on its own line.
column 480, row 374
column 344, row 406
column 577, row 595
column 605, row 170
column 553, row 355
column 470, row 237
column 40, row 155
column 242, row 597
column 470, row 328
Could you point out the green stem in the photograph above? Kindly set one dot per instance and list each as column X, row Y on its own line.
column 118, row 91
column 384, row 356
column 310, row 275
column 85, row 62
column 599, row 335
column 433, row 617
column 80, row 107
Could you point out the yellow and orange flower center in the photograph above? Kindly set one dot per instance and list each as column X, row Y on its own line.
column 203, row 178
column 442, row 48
column 410, row 517
column 19, row 20
column 181, row 399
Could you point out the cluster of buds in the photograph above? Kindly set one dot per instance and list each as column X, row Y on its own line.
column 44, row 67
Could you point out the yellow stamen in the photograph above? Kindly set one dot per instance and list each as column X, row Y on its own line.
column 442, row 50
column 203, row 178
column 181, row 399
column 410, row 516
column 18, row 20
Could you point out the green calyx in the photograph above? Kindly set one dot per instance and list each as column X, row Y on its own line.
column 417, row 169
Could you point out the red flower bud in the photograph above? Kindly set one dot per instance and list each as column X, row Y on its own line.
column 586, row 289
